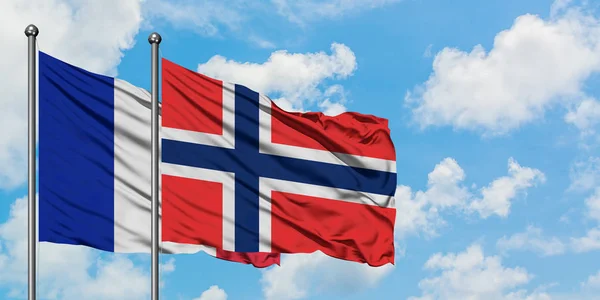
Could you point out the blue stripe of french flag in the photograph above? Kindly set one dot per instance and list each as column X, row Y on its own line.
column 94, row 162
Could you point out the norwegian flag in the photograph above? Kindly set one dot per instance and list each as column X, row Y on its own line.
column 242, row 175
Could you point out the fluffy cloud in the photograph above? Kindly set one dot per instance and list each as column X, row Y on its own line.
column 83, row 273
column 532, row 66
column 213, row 293
column 301, row 11
column 497, row 196
column 414, row 214
column 88, row 33
column 301, row 275
column 296, row 77
column 533, row 240
column 487, row 278
column 420, row 211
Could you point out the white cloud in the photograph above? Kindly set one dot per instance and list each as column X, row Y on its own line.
column 302, row 11
column 585, row 117
column 332, row 108
column 443, row 185
column 83, row 273
column 498, row 195
column 414, row 214
column 592, row 283
column 487, row 278
column 532, row 66
column 90, row 34
column 420, row 212
column 585, row 175
column 533, row 240
column 213, row 293
column 335, row 98
column 296, row 77
column 302, row 275
column 590, row 242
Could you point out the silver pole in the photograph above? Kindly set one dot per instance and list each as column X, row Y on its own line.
column 154, row 39
column 31, row 32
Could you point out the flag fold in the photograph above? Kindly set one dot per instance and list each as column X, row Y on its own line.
column 241, row 174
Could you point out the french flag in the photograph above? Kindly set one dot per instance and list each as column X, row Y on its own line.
column 94, row 165
column 243, row 175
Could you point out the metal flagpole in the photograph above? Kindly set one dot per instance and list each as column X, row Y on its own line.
column 154, row 39
column 31, row 32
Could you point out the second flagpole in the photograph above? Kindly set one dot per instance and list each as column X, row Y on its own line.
column 31, row 32
column 154, row 39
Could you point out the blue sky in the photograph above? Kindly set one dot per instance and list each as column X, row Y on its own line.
column 494, row 112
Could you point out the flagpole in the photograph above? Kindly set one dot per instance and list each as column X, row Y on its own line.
column 154, row 39
column 31, row 32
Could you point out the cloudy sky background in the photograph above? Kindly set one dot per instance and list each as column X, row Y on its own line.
column 494, row 110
